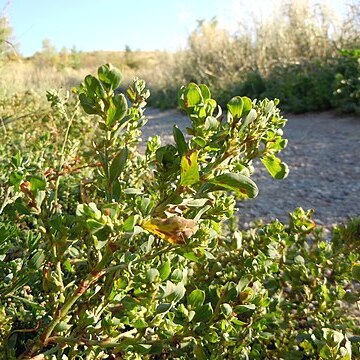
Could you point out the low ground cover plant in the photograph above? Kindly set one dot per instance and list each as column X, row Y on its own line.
column 109, row 251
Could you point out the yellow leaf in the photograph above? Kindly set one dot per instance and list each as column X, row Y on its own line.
column 174, row 230
column 189, row 168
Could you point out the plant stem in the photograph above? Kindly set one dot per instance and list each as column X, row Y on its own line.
column 54, row 251
column 45, row 354
column 62, row 156
column 106, row 166
column 3, row 126
column 8, row 191
column 110, row 342
column 218, row 304
column 95, row 275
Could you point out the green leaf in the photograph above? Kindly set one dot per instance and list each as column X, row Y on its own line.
column 131, row 94
column 205, row 91
column 116, row 189
column 117, row 110
column 203, row 313
column 152, row 275
column 140, row 324
column 177, row 275
column 189, row 169
column 210, row 106
column 180, row 141
column 235, row 107
column 242, row 185
column 276, row 168
column 325, row 352
column 132, row 191
column 249, row 118
column 231, row 291
column 179, row 292
column 293, row 355
column 196, row 298
column 213, row 337
column 63, row 326
column 37, row 260
column 88, row 104
column 118, row 164
column 94, row 87
column 40, row 197
column 243, row 283
column 166, row 157
column 193, row 95
column 164, row 307
column 109, row 76
column 200, row 353
column 168, row 289
column 146, row 205
column 37, row 182
column 94, row 225
column 276, row 143
column 239, row 309
column 247, row 105
column 130, row 222
column 165, row 270
column 15, row 179
column 195, row 202
column 198, row 140
column 356, row 271
column 99, row 244
column 226, row 309
column 192, row 256
column 211, row 123
column 142, row 348
column 121, row 106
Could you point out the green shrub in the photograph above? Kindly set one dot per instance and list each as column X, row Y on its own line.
column 109, row 251
column 347, row 81
column 302, row 87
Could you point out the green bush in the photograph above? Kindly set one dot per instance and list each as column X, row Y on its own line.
column 347, row 82
column 110, row 251
column 302, row 87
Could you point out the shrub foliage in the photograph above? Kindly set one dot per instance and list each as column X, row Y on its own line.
column 112, row 251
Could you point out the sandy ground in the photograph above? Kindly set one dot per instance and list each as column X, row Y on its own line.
column 323, row 155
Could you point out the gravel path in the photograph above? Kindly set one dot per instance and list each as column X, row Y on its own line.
column 323, row 155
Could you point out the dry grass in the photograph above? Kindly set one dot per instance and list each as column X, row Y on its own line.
column 295, row 33
column 23, row 75
column 41, row 73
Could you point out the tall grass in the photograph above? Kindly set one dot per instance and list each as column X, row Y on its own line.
column 296, row 38
column 20, row 75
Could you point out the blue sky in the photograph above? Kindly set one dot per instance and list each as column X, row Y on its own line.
column 112, row 24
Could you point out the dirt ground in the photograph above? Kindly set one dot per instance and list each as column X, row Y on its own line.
column 323, row 155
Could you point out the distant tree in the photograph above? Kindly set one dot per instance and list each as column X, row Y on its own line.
column 129, row 58
column 75, row 58
column 64, row 56
column 48, row 48
column 48, row 56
